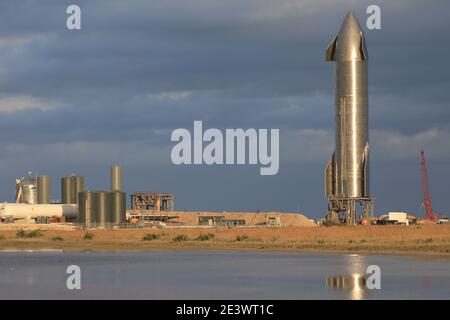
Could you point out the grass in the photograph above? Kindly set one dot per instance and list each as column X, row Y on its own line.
column 240, row 237
column 180, row 238
column 151, row 236
column 21, row 233
column 36, row 233
column 433, row 239
column 56, row 239
column 88, row 236
column 205, row 237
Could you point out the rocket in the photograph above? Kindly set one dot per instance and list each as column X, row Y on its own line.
column 347, row 171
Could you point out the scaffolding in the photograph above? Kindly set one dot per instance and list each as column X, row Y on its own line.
column 152, row 201
column 348, row 210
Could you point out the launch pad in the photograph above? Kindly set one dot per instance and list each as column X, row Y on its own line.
column 347, row 210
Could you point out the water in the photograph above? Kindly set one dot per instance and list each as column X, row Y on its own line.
column 216, row 275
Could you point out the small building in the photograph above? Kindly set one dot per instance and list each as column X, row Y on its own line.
column 211, row 220
column 234, row 222
column 219, row 221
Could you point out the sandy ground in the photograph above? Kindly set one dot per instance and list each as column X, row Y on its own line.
column 251, row 218
column 431, row 241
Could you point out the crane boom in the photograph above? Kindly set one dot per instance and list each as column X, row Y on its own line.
column 425, row 188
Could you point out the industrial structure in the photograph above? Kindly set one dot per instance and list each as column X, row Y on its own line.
column 426, row 190
column 103, row 208
column 70, row 187
column 347, row 171
column 87, row 208
column 26, row 189
column 152, row 201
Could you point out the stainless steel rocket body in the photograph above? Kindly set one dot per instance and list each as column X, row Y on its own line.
column 347, row 172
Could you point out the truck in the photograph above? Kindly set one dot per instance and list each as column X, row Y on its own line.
column 394, row 217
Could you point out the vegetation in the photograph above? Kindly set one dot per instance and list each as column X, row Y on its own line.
column 151, row 236
column 240, row 238
column 56, row 239
column 21, row 233
column 205, row 237
column 2, row 237
column 181, row 237
column 36, row 233
column 88, row 236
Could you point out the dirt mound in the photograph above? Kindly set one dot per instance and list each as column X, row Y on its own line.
column 251, row 218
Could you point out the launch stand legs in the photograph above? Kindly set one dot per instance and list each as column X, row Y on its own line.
column 348, row 210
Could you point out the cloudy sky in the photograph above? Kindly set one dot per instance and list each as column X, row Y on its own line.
column 112, row 92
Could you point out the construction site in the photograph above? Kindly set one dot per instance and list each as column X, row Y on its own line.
column 346, row 186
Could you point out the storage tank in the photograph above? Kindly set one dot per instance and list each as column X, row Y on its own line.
column 43, row 190
column 85, row 207
column 30, row 211
column 26, row 190
column 116, row 178
column 102, row 207
column 118, row 207
column 66, row 190
column 77, row 186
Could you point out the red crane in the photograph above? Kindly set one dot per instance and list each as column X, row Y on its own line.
column 426, row 189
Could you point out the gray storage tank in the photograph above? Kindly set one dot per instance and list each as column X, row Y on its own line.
column 85, row 208
column 77, row 186
column 116, row 178
column 102, row 207
column 118, row 207
column 43, row 189
column 66, row 190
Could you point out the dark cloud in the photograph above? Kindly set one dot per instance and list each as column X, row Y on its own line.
column 77, row 101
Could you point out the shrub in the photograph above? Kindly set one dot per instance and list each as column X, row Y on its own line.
column 57, row 239
column 34, row 233
column 205, row 237
column 241, row 237
column 2, row 237
column 88, row 236
column 21, row 234
column 180, row 237
column 151, row 236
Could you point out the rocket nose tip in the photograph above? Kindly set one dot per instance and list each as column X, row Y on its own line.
column 350, row 23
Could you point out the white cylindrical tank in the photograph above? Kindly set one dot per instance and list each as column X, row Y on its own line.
column 30, row 211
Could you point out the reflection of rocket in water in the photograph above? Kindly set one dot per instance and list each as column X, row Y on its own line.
column 347, row 172
column 354, row 285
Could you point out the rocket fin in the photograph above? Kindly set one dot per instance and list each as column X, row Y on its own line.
column 365, row 173
column 331, row 50
column 330, row 177
column 363, row 48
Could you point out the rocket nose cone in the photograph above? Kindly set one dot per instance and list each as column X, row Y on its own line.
column 350, row 24
column 350, row 40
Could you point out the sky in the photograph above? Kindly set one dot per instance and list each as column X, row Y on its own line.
column 78, row 101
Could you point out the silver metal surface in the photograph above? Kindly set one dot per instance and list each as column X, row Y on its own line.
column 118, row 207
column 102, row 207
column 26, row 190
column 349, row 52
column 66, row 190
column 116, row 178
column 85, row 208
column 77, row 186
column 43, row 189
column 347, row 171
